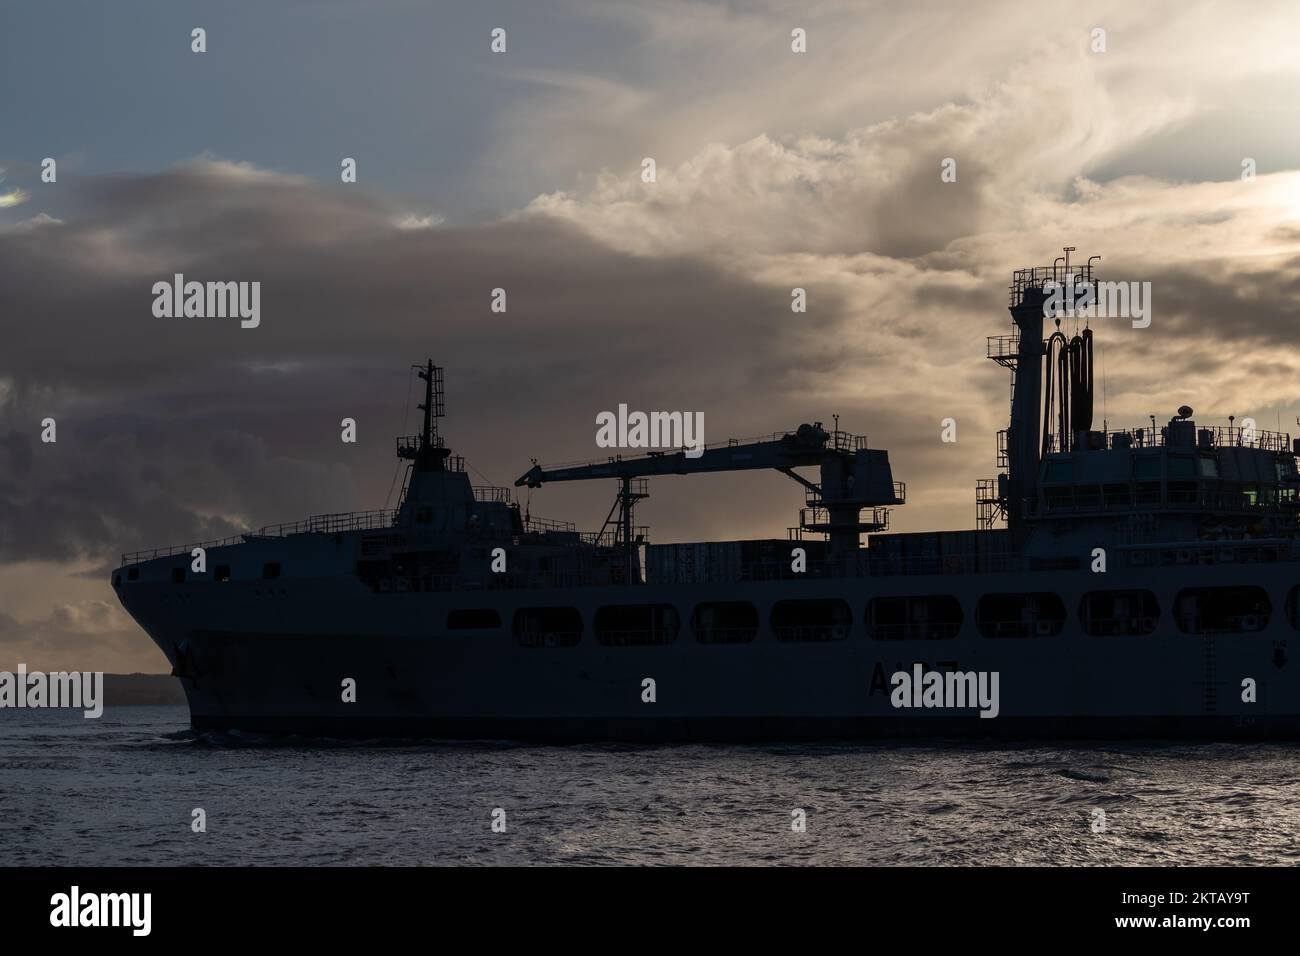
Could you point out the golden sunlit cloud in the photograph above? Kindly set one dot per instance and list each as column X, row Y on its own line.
column 15, row 197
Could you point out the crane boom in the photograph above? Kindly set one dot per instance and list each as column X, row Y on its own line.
column 792, row 450
column 853, row 477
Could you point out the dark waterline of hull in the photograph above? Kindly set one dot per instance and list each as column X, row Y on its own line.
column 768, row 729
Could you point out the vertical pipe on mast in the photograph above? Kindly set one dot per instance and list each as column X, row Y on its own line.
column 1023, row 430
column 427, row 374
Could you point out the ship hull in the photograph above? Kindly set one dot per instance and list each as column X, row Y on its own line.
column 283, row 663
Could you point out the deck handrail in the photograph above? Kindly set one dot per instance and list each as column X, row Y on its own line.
column 316, row 524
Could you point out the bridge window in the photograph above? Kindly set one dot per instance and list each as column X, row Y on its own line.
column 473, row 619
column 811, row 621
column 178, row 574
column 1087, row 496
column 1033, row 614
column 270, row 570
column 1119, row 612
column 548, row 626
column 133, row 574
column 929, row 617
column 1059, row 498
column 1118, row 496
column 221, row 573
column 627, row 625
column 725, row 622
column 1146, row 466
column 1222, row 610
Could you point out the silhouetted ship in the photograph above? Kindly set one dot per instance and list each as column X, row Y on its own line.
column 605, row 636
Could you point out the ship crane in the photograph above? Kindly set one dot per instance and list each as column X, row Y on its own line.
column 853, row 478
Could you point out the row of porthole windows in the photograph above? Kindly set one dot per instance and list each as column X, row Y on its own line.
column 1207, row 610
column 1240, row 609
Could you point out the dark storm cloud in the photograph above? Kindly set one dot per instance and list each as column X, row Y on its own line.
column 1217, row 303
column 173, row 429
column 339, row 283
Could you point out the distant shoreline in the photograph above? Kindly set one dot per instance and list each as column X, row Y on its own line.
column 140, row 690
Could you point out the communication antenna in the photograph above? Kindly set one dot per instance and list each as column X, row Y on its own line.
column 432, row 406
column 427, row 449
column 1092, row 281
column 1070, row 280
column 1103, row 389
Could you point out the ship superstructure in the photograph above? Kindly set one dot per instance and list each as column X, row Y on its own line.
column 1120, row 583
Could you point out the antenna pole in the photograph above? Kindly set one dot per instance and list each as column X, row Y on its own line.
column 426, row 437
column 429, row 453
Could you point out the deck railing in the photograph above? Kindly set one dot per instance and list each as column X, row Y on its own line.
column 316, row 524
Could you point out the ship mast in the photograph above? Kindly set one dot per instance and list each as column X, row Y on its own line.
column 1056, row 395
column 428, row 450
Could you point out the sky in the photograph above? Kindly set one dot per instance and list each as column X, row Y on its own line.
column 523, row 170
